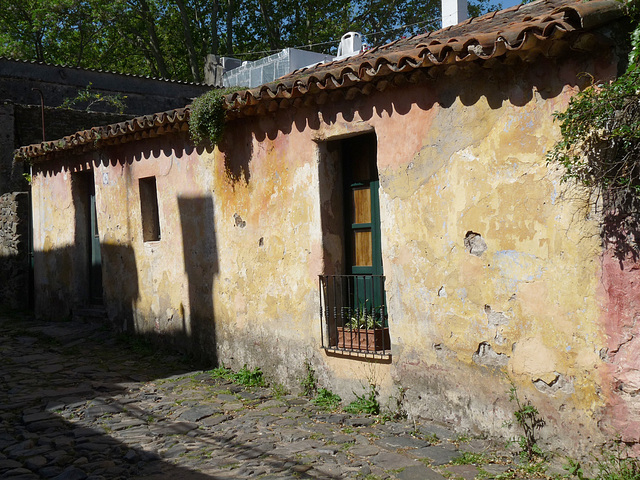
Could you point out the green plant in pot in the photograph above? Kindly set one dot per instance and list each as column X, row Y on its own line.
column 363, row 320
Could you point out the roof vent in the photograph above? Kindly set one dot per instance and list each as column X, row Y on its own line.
column 350, row 44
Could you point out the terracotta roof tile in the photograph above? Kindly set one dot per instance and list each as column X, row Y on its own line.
column 517, row 30
column 147, row 126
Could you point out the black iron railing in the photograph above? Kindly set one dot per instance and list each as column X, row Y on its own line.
column 353, row 313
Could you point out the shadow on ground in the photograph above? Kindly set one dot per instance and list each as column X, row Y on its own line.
column 64, row 384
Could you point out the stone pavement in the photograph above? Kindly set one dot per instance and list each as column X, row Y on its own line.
column 76, row 403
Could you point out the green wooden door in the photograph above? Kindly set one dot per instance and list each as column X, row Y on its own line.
column 362, row 228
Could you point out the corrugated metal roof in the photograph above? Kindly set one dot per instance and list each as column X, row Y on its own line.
column 521, row 30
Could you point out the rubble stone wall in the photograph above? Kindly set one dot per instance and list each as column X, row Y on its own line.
column 14, row 249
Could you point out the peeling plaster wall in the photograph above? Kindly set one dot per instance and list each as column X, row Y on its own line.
column 493, row 265
column 59, row 278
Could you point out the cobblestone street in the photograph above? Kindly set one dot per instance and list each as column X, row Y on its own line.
column 78, row 403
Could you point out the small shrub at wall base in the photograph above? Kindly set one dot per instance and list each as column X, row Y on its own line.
column 250, row 378
column 308, row 382
column 366, row 403
column 207, row 119
column 528, row 418
column 617, row 463
column 326, row 399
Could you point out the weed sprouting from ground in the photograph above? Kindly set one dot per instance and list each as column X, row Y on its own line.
column 250, row 378
column 395, row 406
column 470, row 458
column 528, row 418
column 309, row 382
column 278, row 391
column 326, row 399
column 246, row 377
column 366, row 403
column 616, row 463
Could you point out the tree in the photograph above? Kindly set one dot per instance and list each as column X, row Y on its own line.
column 170, row 38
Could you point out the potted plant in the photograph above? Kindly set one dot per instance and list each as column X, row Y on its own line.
column 363, row 331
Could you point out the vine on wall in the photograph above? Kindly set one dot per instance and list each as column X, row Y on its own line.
column 207, row 119
column 600, row 149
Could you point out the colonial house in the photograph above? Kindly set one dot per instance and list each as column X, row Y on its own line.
column 389, row 217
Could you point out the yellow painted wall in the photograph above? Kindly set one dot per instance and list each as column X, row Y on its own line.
column 235, row 273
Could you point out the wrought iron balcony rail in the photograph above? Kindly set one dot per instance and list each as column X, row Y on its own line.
column 353, row 313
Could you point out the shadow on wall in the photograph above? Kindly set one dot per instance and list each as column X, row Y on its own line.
column 201, row 265
column 516, row 84
column 121, row 291
column 69, row 277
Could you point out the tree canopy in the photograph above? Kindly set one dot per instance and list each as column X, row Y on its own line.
column 170, row 38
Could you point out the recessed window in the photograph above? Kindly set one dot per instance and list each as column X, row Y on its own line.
column 352, row 293
column 149, row 209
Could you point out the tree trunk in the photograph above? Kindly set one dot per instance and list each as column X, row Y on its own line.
column 186, row 26
column 272, row 33
column 154, row 43
column 215, row 41
column 230, row 8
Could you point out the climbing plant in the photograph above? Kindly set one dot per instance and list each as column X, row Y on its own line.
column 600, row 148
column 88, row 99
column 207, row 119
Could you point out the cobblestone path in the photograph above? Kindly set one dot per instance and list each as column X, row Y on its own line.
column 76, row 403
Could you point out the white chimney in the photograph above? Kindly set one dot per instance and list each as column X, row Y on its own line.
column 350, row 44
column 453, row 12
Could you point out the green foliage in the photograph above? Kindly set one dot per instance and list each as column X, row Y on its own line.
column 308, row 382
column 207, row 119
column 326, row 399
column 395, row 407
column 574, row 469
column 249, row 378
column 170, row 39
column 470, row 458
column 616, row 463
column 246, row 377
column 528, row 418
column 600, row 146
column 221, row 373
column 88, row 99
column 279, row 390
column 360, row 318
column 366, row 403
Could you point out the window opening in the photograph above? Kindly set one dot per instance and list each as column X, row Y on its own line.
column 353, row 310
column 149, row 209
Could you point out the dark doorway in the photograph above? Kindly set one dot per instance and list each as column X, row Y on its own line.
column 87, row 235
column 95, row 268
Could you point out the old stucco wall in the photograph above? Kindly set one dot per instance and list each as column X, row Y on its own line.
column 493, row 266
column 59, row 276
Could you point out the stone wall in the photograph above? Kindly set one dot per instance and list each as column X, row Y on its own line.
column 21, row 124
column 144, row 95
column 14, row 249
column 58, row 122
